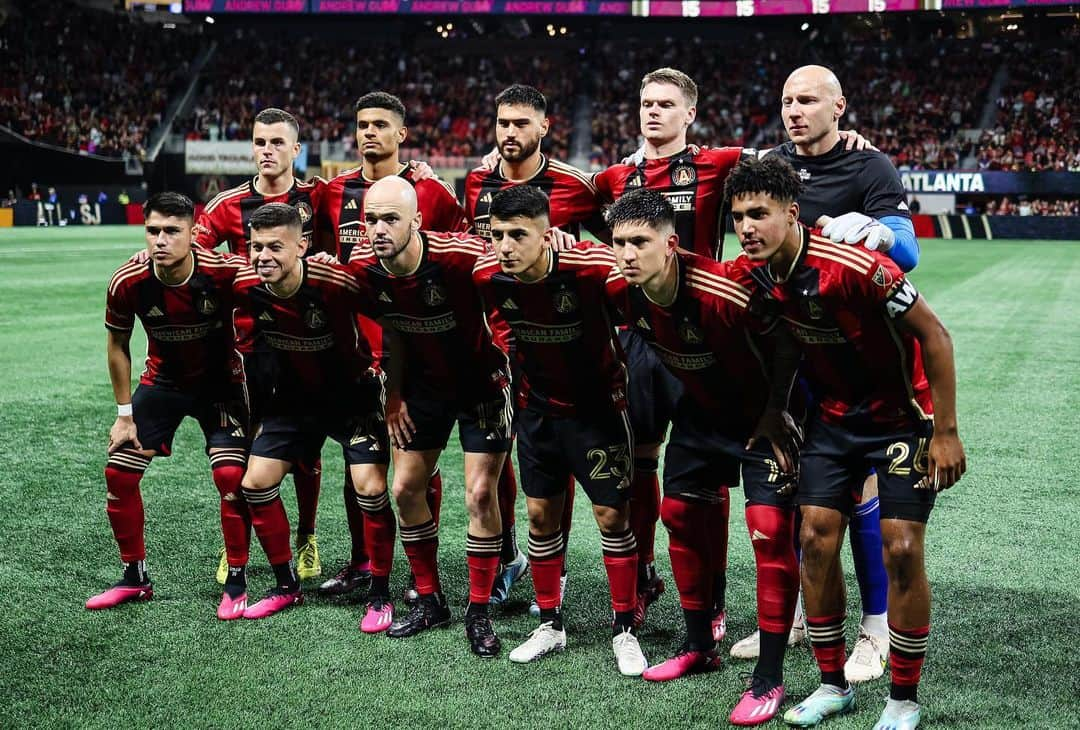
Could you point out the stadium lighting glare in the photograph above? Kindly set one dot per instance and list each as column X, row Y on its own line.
column 449, row 26
column 209, row 20
column 438, row 29
column 169, row 26
column 1011, row 26
column 804, row 26
column 562, row 30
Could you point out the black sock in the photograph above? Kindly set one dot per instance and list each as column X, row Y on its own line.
column 719, row 592
column 770, row 664
column 286, row 577
column 236, row 582
column 509, row 549
column 552, row 616
column 836, row 679
column 908, row 692
column 646, row 572
column 380, row 587
column 476, row 609
column 135, row 573
column 623, row 620
column 698, row 630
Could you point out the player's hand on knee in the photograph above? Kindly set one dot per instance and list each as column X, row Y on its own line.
column 421, row 170
column 855, row 141
column 946, row 463
column 123, row 432
column 400, row 427
column 783, row 434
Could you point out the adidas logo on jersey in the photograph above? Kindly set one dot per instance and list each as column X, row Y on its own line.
column 266, row 317
column 155, row 312
column 485, row 198
column 351, row 205
column 509, row 304
column 641, row 323
column 384, row 297
column 758, row 535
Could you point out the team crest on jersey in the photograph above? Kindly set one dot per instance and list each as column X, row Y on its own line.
column 813, row 309
column 304, row 209
column 314, row 318
column 882, row 277
column 682, row 175
column 804, row 174
column 691, row 334
column 206, row 304
column 434, row 295
column 565, row 301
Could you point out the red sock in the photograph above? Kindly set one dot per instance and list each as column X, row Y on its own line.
column 644, row 508
column 228, row 470
column 546, row 554
column 354, row 517
column 482, row 557
column 308, row 481
column 907, row 651
column 567, row 519
column 621, row 563
column 721, row 515
column 827, row 639
column 433, row 496
column 270, row 522
column 123, row 502
column 380, row 528
column 771, row 531
column 689, row 545
column 421, row 543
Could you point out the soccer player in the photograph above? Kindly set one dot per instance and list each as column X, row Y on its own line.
column 855, row 313
column 319, row 377
column 862, row 190
column 694, row 313
column 183, row 297
column 275, row 144
column 449, row 371
column 380, row 132
column 521, row 123
column 559, row 306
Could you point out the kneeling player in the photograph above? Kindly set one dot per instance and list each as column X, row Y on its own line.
column 320, row 384
column 695, row 316
column 572, row 395
column 183, row 297
column 855, row 313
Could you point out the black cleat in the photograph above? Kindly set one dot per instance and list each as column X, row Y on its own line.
column 347, row 580
column 483, row 640
column 429, row 612
column 411, row 595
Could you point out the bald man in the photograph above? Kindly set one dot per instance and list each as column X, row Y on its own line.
column 445, row 369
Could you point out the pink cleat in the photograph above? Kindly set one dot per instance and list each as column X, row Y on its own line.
column 758, row 705
column 379, row 616
column 120, row 593
column 719, row 626
column 276, row 600
column 687, row 661
column 232, row 608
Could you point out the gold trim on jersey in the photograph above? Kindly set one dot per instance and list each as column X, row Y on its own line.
column 906, row 375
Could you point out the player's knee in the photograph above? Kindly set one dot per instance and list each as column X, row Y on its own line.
column 903, row 554
column 818, row 540
column 543, row 519
column 611, row 519
column 480, row 496
column 406, row 493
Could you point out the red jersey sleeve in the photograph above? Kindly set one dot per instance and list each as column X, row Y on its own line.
column 442, row 212
column 207, row 233
column 877, row 283
column 724, row 159
column 119, row 309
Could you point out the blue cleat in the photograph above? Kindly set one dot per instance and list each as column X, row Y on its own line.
column 899, row 715
column 826, row 701
column 509, row 574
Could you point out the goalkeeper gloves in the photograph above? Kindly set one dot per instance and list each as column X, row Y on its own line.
column 855, row 227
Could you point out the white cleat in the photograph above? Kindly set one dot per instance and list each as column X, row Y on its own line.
column 628, row 654
column 899, row 715
column 750, row 647
column 867, row 660
column 545, row 639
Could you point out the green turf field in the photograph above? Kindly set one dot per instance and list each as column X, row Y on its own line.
column 1002, row 547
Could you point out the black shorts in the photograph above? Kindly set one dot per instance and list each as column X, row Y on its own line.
column 596, row 449
column 652, row 391
column 700, row 459
column 356, row 420
column 484, row 427
column 158, row 412
column 835, row 461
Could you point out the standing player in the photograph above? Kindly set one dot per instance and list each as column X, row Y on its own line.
column 319, row 377
column 183, row 297
column 275, row 143
column 855, row 314
column 521, row 124
column 863, row 190
column 559, row 306
column 694, row 314
column 450, row 371
column 380, row 131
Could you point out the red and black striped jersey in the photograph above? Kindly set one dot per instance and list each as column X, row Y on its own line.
column 692, row 183
column 225, row 218
column 447, row 346
column 703, row 337
column 563, row 327
column 189, row 326
column 841, row 303
column 307, row 345
column 340, row 213
column 571, row 193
